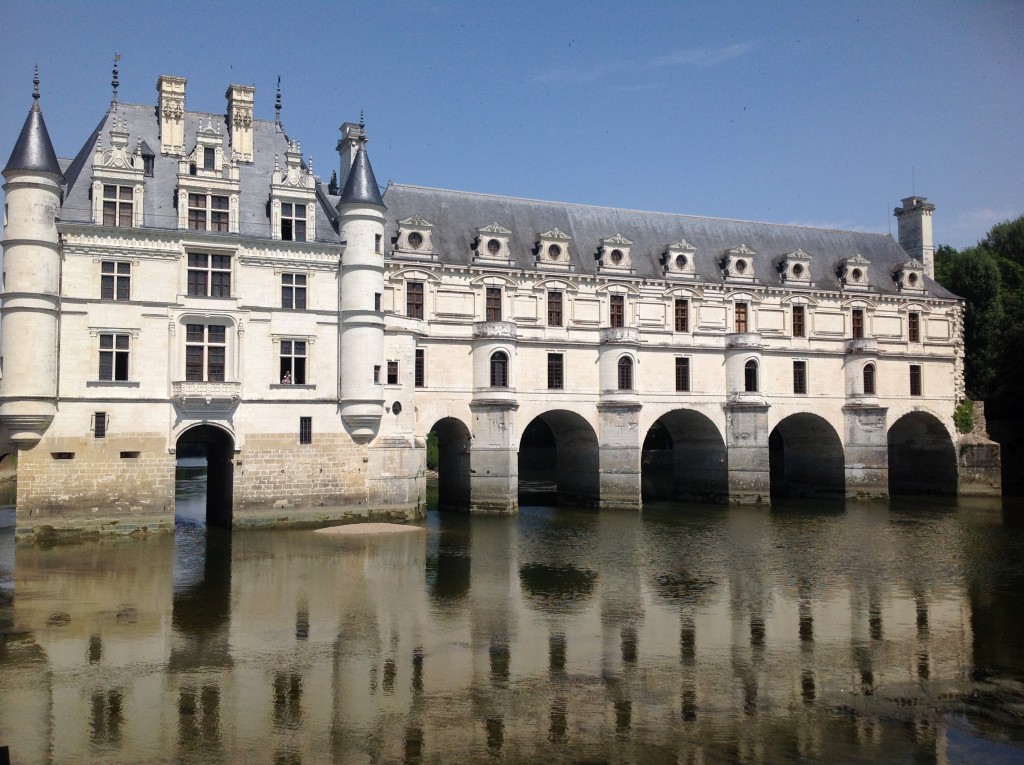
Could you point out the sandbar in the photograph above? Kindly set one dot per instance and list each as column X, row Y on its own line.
column 369, row 528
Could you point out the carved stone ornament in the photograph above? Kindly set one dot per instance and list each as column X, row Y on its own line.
column 492, row 244
column 795, row 268
column 614, row 254
column 853, row 273
column 415, row 238
column 738, row 264
column 553, row 250
column 910, row 277
column 678, row 260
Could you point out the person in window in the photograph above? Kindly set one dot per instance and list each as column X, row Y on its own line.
column 286, row 379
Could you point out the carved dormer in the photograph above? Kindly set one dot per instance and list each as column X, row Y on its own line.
column 910, row 277
column 293, row 198
column 117, row 180
column 614, row 254
column 738, row 265
column 207, row 159
column 853, row 273
column 208, row 187
column 795, row 269
column 678, row 261
column 415, row 239
column 552, row 251
column 492, row 245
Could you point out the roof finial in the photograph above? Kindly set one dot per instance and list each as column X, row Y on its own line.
column 277, row 103
column 35, row 84
column 115, row 82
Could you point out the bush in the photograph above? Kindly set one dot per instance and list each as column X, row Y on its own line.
column 963, row 416
column 432, row 450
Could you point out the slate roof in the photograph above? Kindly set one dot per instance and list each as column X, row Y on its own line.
column 361, row 186
column 33, row 150
column 456, row 216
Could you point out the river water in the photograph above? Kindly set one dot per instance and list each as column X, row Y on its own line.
column 685, row 634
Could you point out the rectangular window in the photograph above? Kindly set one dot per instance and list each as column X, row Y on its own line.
column 114, row 357
column 554, row 308
column 209, row 159
column 205, row 352
column 293, row 292
column 118, row 204
column 857, row 323
column 207, row 212
column 293, row 362
column 414, row 300
column 741, row 317
column 682, row 374
column 914, row 327
column 209, row 275
column 682, row 315
column 392, row 373
column 376, row 301
column 800, row 377
column 798, row 321
column 915, row 380
column 305, row 430
column 293, row 222
column 99, row 424
column 376, row 374
column 617, row 311
column 421, row 368
column 556, row 371
column 115, row 280
column 493, row 304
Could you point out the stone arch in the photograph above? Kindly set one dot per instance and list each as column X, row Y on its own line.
column 453, row 471
column 806, row 458
column 922, row 456
column 217, row 445
column 559, row 459
column 684, row 458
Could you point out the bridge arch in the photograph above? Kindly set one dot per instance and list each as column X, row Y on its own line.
column 684, row 458
column 453, row 464
column 559, row 460
column 922, row 457
column 217, row 445
column 806, row 458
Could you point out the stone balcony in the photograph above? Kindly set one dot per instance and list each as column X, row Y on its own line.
column 494, row 330
column 862, row 345
column 494, row 398
column 206, row 397
column 744, row 340
column 620, row 336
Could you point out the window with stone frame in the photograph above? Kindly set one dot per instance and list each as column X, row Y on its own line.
column 682, row 315
column 118, row 205
column 798, row 321
column 208, row 212
column 99, row 424
column 414, row 300
column 617, row 311
column 293, row 222
column 205, row 352
column 682, row 373
column 556, row 371
column 293, row 292
column 209, row 275
column 293, row 362
column 800, row 377
column 915, row 379
column 499, row 370
column 741, row 317
column 305, row 430
column 869, row 379
column 493, row 304
column 392, row 372
column 914, row 327
column 420, row 372
column 554, row 308
column 857, row 323
column 115, row 351
column 750, row 376
column 625, row 373
column 115, row 280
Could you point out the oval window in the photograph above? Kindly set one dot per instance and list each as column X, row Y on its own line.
column 616, row 256
column 396, row 408
column 681, row 262
column 554, row 251
column 415, row 240
column 798, row 270
column 493, row 246
column 856, row 274
column 741, row 266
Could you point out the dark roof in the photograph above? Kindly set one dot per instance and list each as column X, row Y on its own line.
column 457, row 215
column 34, row 151
column 361, row 186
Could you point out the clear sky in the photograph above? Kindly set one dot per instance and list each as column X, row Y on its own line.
column 818, row 113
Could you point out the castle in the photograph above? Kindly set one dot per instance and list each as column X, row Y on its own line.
column 186, row 284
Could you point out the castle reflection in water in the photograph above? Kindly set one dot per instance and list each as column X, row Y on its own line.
column 695, row 635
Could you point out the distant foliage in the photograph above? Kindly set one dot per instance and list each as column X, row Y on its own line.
column 432, row 450
column 963, row 416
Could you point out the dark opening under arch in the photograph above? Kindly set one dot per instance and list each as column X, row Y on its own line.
column 218, row 447
column 453, row 441
column 684, row 459
column 559, row 461
column 922, row 457
column 806, row 458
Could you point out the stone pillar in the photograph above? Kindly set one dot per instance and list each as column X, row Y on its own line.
column 867, row 451
column 493, row 460
column 746, row 432
column 620, row 455
column 979, row 460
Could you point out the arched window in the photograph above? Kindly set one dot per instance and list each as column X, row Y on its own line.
column 750, row 376
column 499, row 370
column 625, row 373
column 869, row 379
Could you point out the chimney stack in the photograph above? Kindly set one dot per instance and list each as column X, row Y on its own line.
column 240, row 106
column 914, row 221
column 172, row 114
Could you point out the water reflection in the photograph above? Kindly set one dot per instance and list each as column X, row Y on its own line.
column 691, row 634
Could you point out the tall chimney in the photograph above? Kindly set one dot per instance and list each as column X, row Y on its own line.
column 349, row 143
column 240, row 105
column 172, row 114
column 915, row 231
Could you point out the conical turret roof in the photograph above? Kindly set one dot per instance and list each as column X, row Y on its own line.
column 34, row 151
column 361, row 185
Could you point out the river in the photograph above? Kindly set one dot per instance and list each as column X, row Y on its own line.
column 864, row 632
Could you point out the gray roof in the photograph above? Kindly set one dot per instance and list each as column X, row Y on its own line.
column 361, row 186
column 33, row 150
column 457, row 215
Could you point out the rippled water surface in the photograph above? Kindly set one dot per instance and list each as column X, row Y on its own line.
column 686, row 634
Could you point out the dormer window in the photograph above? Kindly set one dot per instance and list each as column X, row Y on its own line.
column 738, row 264
column 415, row 238
column 208, row 212
column 795, row 269
column 615, row 253
column 118, row 202
column 292, row 199
column 293, row 222
column 117, row 180
column 208, row 187
column 910, row 277
column 553, row 250
column 209, row 159
column 492, row 245
column 853, row 273
column 678, row 260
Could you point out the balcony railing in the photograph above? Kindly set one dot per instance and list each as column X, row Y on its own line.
column 499, row 330
column 195, row 395
column 620, row 335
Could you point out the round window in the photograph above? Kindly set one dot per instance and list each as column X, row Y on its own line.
column 856, row 274
column 415, row 240
column 681, row 262
column 554, row 251
column 616, row 256
column 493, row 246
column 912, row 278
column 741, row 266
column 798, row 270
column 396, row 408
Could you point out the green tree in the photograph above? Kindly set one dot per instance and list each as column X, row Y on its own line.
column 974, row 275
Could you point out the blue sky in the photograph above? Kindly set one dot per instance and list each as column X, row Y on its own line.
column 821, row 113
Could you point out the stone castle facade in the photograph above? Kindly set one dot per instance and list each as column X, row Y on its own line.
column 186, row 284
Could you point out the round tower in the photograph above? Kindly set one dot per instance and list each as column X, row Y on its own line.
column 361, row 224
column 31, row 265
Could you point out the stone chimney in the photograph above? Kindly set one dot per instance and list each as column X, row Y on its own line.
column 240, row 106
column 352, row 136
column 172, row 114
column 915, row 231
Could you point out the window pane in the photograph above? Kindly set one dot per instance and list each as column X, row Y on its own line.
column 194, row 333
column 121, row 366
column 106, row 288
column 219, row 203
column 216, row 333
column 299, row 375
column 106, row 365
